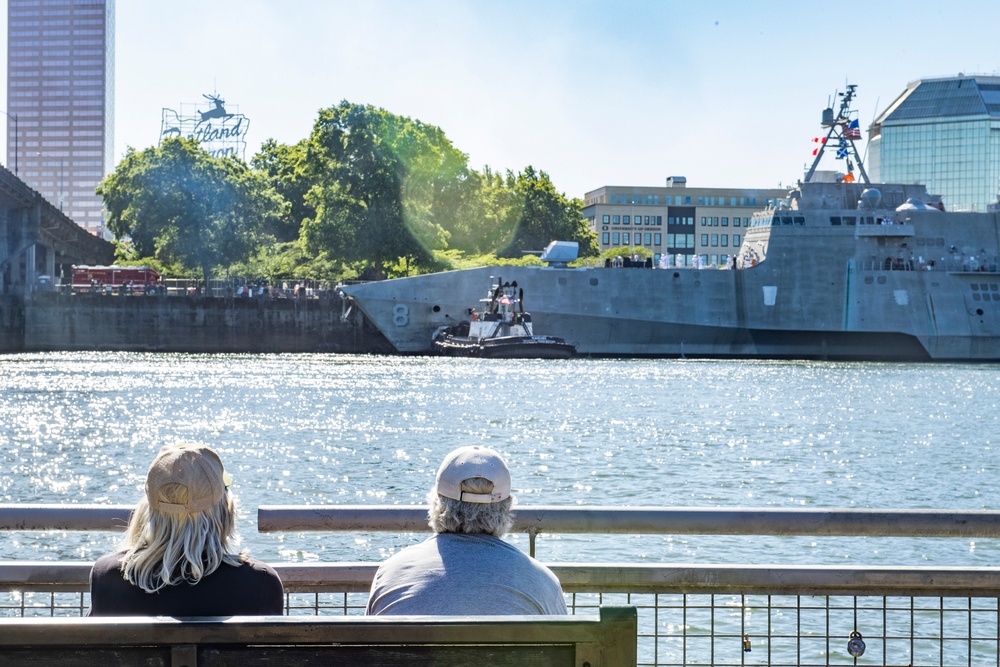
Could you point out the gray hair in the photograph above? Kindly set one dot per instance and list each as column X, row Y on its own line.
column 447, row 515
column 168, row 549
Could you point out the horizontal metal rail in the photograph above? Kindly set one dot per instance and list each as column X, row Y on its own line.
column 605, row 578
column 542, row 519
column 649, row 520
column 64, row 517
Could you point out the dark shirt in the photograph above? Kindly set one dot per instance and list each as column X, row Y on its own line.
column 252, row 589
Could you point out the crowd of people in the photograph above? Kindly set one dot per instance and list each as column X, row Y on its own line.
column 181, row 556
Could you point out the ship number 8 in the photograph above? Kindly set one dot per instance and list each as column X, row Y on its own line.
column 400, row 315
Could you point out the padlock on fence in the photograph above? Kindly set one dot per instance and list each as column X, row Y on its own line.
column 856, row 645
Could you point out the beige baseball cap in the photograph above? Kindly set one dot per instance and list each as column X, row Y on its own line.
column 196, row 467
column 468, row 462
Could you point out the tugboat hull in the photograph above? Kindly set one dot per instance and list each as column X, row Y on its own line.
column 509, row 347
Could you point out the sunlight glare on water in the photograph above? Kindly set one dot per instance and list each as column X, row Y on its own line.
column 345, row 429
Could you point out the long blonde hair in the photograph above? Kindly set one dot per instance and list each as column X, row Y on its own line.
column 168, row 549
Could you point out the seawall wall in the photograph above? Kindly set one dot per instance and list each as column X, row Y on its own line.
column 45, row 322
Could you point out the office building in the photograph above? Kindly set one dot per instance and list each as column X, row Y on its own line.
column 60, row 100
column 683, row 222
column 945, row 134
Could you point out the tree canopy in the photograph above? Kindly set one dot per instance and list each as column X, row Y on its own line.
column 366, row 193
column 178, row 203
column 544, row 215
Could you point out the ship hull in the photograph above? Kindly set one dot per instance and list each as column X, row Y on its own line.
column 820, row 291
column 506, row 347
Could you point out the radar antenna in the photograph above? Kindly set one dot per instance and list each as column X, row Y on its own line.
column 846, row 130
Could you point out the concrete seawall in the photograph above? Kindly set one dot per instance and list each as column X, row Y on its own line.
column 46, row 322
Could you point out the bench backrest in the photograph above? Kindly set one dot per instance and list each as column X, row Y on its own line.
column 248, row 641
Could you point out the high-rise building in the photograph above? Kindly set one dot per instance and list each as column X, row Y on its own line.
column 943, row 133
column 60, row 100
column 691, row 226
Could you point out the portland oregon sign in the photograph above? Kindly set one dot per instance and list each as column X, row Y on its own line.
column 219, row 132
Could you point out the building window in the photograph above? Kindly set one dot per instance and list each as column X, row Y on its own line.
column 625, row 237
column 704, row 221
column 736, row 240
column 649, row 238
column 615, row 239
column 625, row 219
column 725, row 222
column 606, row 238
column 725, row 240
column 615, row 219
column 704, row 239
column 715, row 240
column 607, row 219
column 657, row 239
column 736, row 222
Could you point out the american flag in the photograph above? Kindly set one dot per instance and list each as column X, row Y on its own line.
column 852, row 130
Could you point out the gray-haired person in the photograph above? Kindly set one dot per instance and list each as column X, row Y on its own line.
column 179, row 556
column 465, row 568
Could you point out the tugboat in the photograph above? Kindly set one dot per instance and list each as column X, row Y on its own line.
column 500, row 330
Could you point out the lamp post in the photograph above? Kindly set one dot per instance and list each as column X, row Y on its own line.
column 14, row 118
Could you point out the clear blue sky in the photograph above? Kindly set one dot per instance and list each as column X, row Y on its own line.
column 595, row 93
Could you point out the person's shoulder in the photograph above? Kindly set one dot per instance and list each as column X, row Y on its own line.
column 108, row 562
column 260, row 576
column 258, row 567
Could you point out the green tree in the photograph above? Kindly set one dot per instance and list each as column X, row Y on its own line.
column 544, row 215
column 385, row 187
column 287, row 170
column 178, row 203
column 500, row 206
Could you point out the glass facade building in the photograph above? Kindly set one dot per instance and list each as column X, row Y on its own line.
column 945, row 134
column 60, row 101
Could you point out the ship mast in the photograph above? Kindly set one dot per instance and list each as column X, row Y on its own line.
column 845, row 130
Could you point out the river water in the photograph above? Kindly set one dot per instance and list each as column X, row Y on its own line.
column 346, row 429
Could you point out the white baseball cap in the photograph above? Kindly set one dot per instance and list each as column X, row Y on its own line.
column 469, row 462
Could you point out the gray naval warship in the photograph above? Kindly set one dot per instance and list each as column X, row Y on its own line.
column 836, row 270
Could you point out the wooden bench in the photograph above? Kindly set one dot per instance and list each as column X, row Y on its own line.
column 257, row 641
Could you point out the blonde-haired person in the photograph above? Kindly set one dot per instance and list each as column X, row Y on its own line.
column 179, row 556
column 465, row 567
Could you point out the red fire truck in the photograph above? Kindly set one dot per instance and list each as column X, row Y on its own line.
column 110, row 279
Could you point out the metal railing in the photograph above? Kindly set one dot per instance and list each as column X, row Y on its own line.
column 645, row 520
column 540, row 520
column 689, row 614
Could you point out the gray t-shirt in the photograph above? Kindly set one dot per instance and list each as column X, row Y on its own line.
column 456, row 574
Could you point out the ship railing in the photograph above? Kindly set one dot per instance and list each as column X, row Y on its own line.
column 922, row 263
column 690, row 614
